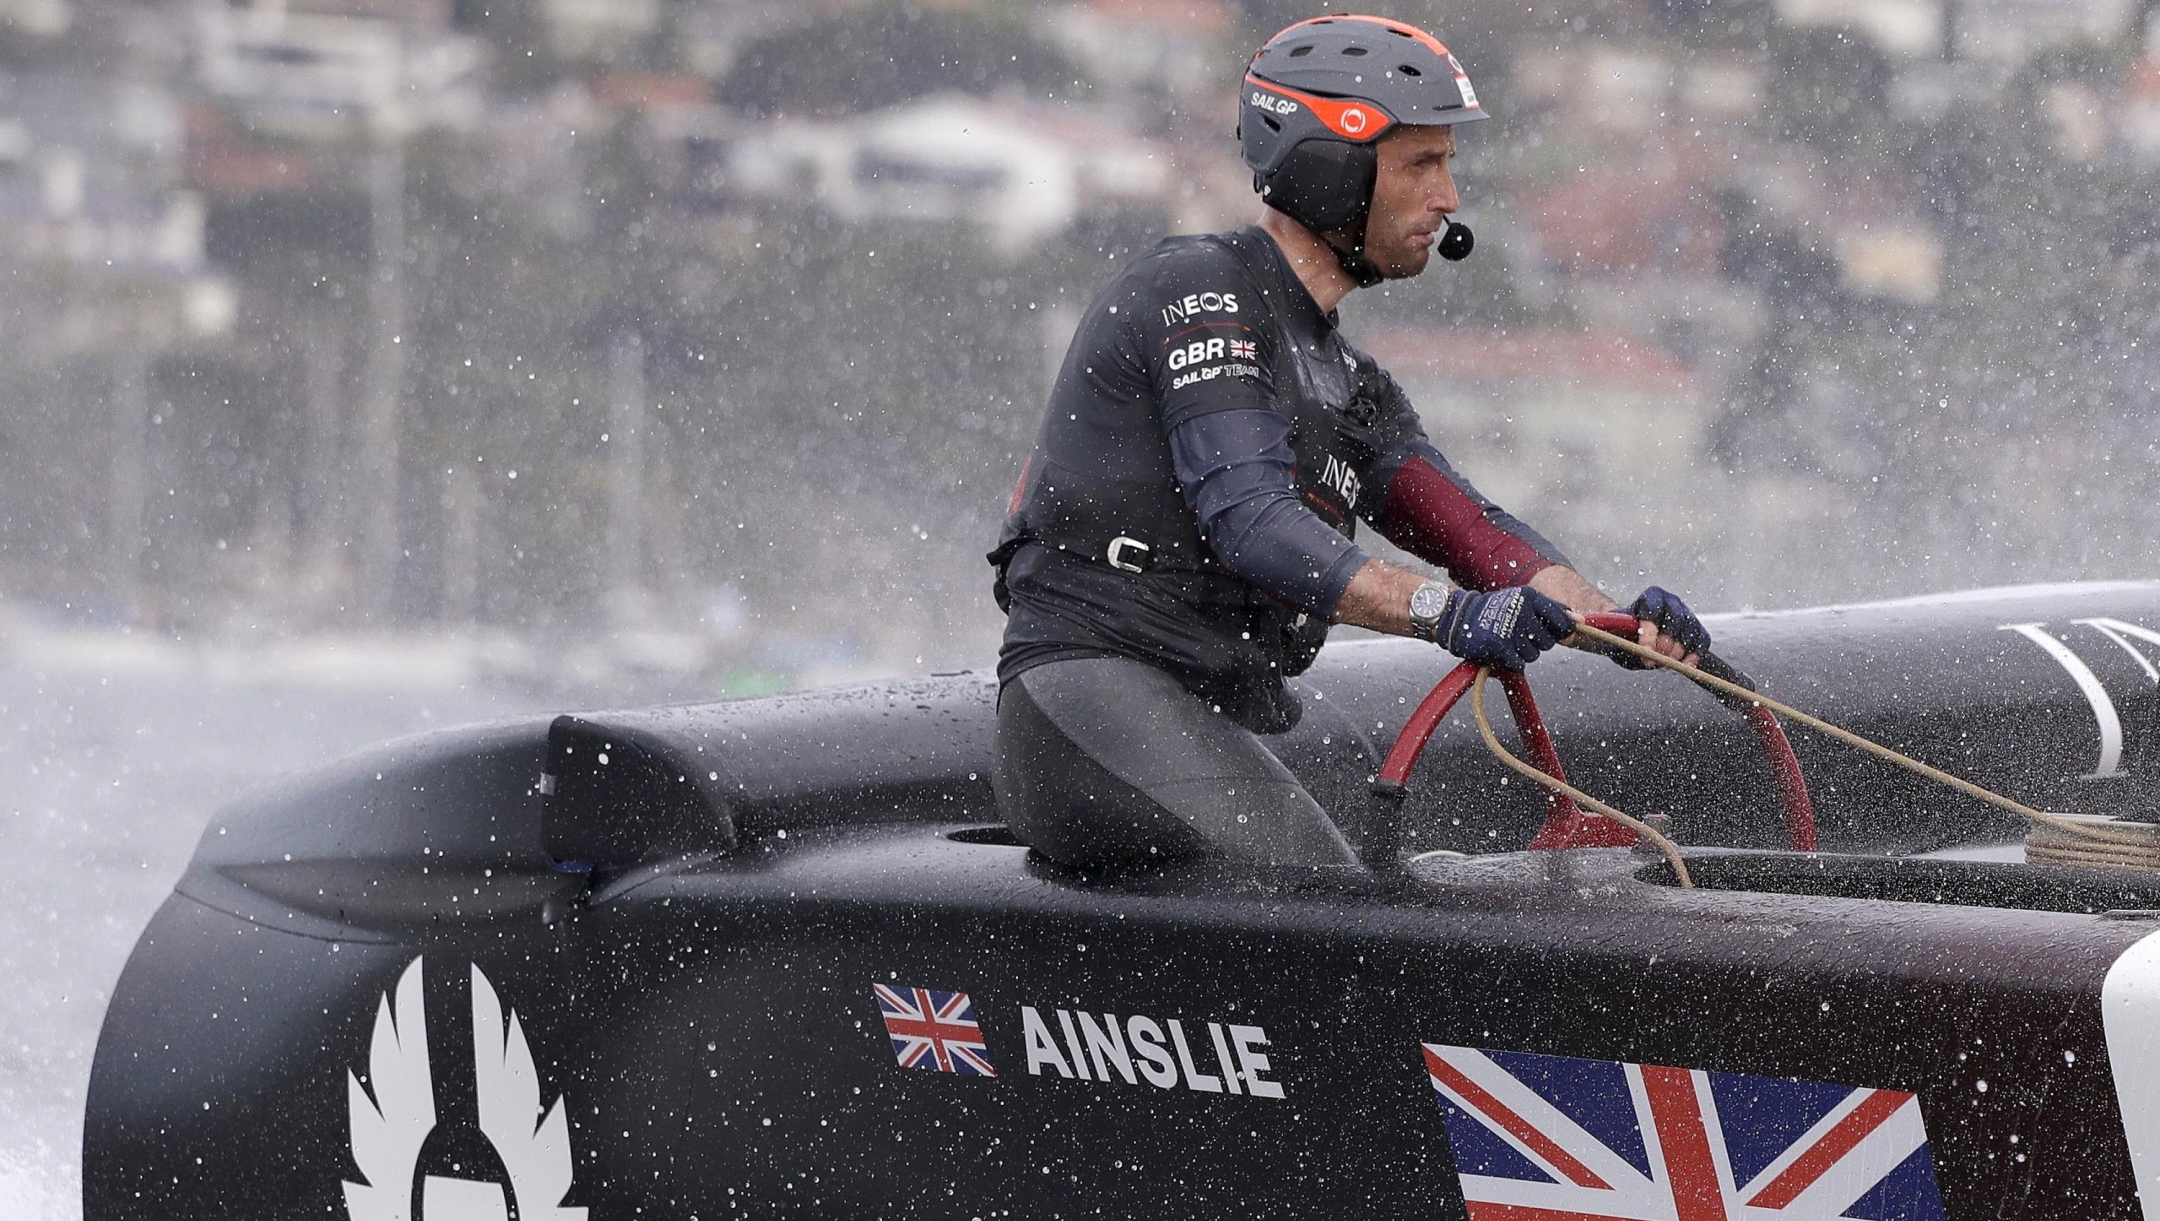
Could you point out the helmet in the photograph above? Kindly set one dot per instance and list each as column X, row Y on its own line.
column 1318, row 97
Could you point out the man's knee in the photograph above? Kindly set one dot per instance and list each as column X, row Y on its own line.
column 1066, row 805
column 1217, row 791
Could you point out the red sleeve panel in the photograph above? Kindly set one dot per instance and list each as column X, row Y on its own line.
column 1436, row 515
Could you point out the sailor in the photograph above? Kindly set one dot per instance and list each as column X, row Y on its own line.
column 1181, row 535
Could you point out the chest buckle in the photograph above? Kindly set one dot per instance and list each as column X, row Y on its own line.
column 1117, row 550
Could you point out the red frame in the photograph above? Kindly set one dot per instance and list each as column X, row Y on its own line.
column 1566, row 824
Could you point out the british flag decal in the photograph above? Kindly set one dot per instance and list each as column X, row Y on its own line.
column 1555, row 1138
column 933, row 1029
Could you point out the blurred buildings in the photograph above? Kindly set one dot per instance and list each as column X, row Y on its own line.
column 707, row 336
column 1016, row 172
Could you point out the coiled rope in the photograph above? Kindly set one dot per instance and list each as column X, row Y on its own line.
column 2059, row 839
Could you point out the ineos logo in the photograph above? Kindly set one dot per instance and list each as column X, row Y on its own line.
column 1353, row 120
column 1274, row 105
column 1199, row 303
column 1341, row 478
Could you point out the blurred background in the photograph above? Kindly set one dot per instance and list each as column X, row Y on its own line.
column 569, row 340
column 374, row 364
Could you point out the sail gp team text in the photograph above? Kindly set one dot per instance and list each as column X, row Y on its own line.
column 1211, row 372
column 1107, row 1048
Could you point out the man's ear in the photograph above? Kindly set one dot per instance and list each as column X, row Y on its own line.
column 1324, row 184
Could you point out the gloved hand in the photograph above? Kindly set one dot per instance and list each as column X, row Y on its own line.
column 1665, row 611
column 1505, row 629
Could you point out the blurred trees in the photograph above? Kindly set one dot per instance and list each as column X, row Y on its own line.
column 834, row 411
column 1939, row 421
column 883, row 54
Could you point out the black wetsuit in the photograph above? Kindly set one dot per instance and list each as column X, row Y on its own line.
column 1190, row 508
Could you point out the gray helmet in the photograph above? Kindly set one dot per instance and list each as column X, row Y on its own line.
column 1317, row 98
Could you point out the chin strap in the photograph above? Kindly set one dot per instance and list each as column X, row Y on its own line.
column 1362, row 271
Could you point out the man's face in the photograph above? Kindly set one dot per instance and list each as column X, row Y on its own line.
column 1412, row 197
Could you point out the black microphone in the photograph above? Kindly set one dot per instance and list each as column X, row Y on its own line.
column 1455, row 241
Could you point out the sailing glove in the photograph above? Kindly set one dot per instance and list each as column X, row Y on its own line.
column 1505, row 629
column 1666, row 612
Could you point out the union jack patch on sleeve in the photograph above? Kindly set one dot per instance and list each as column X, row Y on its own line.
column 933, row 1029
column 1556, row 1138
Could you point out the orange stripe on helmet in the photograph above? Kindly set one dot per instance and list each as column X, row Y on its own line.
column 1386, row 23
column 1350, row 118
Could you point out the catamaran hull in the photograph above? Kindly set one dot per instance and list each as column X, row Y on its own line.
column 806, row 974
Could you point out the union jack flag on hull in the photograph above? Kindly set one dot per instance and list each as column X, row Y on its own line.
column 932, row 1029
column 1555, row 1138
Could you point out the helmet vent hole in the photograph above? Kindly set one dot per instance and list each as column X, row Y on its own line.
column 1272, row 125
column 1303, row 50
column 1353, row 50
column 1407, row 70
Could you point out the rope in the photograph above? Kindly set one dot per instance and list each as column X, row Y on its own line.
column 1492, row 743
column 2143, row 840
column 2046, row 846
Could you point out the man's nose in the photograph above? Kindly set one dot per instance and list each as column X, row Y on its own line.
column 1447, row 200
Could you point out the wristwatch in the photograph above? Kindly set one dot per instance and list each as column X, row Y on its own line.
column 1428, row 606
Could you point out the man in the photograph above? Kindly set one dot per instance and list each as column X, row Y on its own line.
column 1181, row 535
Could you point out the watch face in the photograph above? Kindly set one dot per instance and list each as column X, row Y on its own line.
column 1428, row 602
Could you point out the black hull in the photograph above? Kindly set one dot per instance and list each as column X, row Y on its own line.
column 703, row 997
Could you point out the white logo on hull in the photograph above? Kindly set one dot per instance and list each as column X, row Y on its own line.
column 2130, row 1017
column 390, row 1127
column 1138, row 1047
column 2088, row 683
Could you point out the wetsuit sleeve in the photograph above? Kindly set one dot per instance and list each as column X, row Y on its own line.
column 1212, row 368
column 1197, row 327
column 1237, row 472
column 1419, row 502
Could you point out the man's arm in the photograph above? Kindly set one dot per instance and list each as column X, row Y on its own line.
column 1567, row 586
column 1378, row 598
column 1423, row 505
column 1235, row 468
column 1570, row 587
column 1237, row 471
